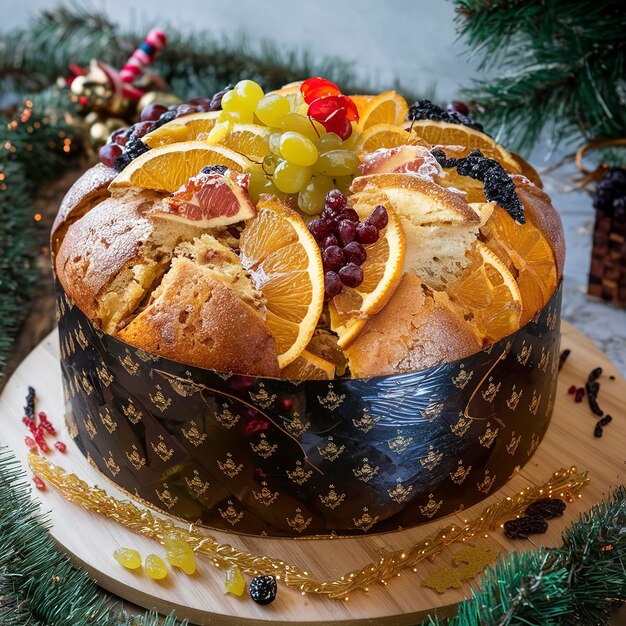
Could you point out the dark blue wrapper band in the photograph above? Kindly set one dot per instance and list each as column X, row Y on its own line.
column 299, row 458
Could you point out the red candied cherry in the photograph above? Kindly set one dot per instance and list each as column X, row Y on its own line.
column 108, row 153
column 347, row 231
column 333, row 258
column 332, row 285
column 351, row 275
column 335, row 201
column 319, row 229
column 378, row 217
column 366, row 233
column 316, row 87
column 355, row 253
column 334, row 113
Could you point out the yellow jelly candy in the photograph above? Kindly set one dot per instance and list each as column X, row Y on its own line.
column 235, row 582
column 130, row 559
column 155, row 568
column 179, row 553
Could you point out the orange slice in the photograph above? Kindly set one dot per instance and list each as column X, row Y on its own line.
column 346, row 327
column 385, row 136
column 382, row 271
column 361, row 102
column 169, row 167
column 186, row 128
column 528, row 254
column 291, row 91
column 307, row 366
column 251, row 140
column 488, row 292
column 284, row 261
column 438, row 133
column 388, row 107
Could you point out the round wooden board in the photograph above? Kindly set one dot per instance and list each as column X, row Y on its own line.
column 89, row 539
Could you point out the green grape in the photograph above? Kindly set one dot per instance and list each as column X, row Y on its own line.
column 351, row 142
column 297, row 149
column 275, row 143
column 270, row 163
column 249, row 93
column 329, row 141
column 337, row 163
column 271, row 109
column 311, row 198
column 343, row 183
column 291, row 178
column 257, row 183
column 300, row 124
column 231, row 101
column 239, row 117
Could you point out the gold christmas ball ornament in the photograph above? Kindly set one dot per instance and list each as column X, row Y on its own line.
column 157, row 97
column 98, row 134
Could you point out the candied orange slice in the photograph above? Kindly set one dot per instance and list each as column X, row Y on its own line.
column 388, row 107
column 284, row 262
column 186, row 128
column 382, row 271
column 488, row 292
column 385, row 136
column 168, row 167
column 251, row 140
column 438, row 133
column 307, row 366
column 527, row 253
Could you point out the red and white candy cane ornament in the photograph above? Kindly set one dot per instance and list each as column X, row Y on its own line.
column 143, row 55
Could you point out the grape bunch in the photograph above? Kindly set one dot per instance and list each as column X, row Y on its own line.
column 125, row 144
column 342, row 238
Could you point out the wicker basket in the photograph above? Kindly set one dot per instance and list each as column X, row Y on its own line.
column 607, row 275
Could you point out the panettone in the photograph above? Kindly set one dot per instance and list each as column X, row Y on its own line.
column 178, row 287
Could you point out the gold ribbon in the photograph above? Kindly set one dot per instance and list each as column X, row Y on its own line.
column 565, row 483
column 598, row 173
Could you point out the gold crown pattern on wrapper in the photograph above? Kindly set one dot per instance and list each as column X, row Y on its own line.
column 564, row 483
column 277, row 457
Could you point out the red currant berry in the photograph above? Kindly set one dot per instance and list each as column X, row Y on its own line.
column 366, row 233
column 141, row 128
column 108, row 153
column 335, row 201
column 347, row 231
column 351, row 275
column 458, row 107
column 60, row 446
column 332, row 285
column 378, row 217
column 152, row 112
column 355, row 253
column 333, row 258
column 319, row 229
column 39, row 483
column 350, row 214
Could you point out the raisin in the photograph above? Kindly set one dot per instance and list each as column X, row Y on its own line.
column 522, row 527
column 547, row 508
column 427, row 110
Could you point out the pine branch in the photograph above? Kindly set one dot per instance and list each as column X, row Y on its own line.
column 553, row 63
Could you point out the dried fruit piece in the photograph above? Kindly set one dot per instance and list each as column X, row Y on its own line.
column 155, row 567
column 547, row 508
column 522, row 527
column 128, row 558
column 234, row 582
column 179, row 553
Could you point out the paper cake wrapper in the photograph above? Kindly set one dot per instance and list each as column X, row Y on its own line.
column 278, row 457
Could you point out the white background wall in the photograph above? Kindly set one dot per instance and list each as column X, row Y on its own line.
column 413, row 41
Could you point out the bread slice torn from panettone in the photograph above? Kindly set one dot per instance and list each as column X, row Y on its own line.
column 417, row 329
column 439, row 226
column 114, row 255
column 207, row 313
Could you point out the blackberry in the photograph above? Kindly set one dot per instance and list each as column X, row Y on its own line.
column 214, row 169
column 166, row 117
column 134, row 148
column 216, row 100
column 426, row 110
column 263, row 589
column 497, row 183
column 610, row 194
column 547, row 508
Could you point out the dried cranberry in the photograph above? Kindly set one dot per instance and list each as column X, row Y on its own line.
column 572, row 390
column 39, row 483
column 60, row 446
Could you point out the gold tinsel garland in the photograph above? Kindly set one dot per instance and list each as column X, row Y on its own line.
column 566, row 483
